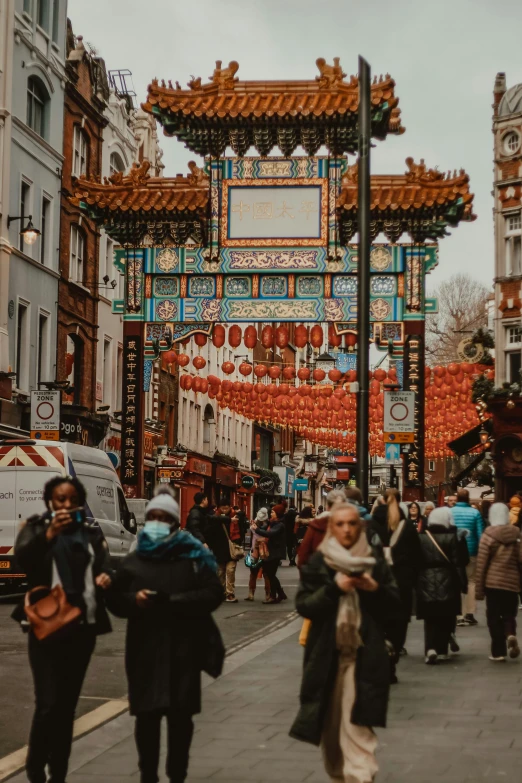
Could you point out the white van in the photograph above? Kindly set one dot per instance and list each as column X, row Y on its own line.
column 26, row 466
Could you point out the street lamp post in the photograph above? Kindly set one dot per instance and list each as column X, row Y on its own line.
column 363, row 278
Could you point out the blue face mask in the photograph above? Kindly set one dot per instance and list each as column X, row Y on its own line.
column 155, row 530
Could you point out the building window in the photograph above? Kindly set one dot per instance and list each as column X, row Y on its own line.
column 106, row 269
column 74, row 367
column 197, row 414
column 22, row 346
column 79, row 153
column 511, row 142
column 513, row 366
column 431, row 466
column 42, row 363
column 44, row 226
column 25, row 210
column 37, row 99
column 107, row 368
column 76, row 255
column 116, row 164
column 28, row 7
column 42, row 14
column 514, row 244
column 514, row 335
column 56, row 20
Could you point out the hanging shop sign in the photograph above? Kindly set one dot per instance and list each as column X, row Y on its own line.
column 148, row 444
column 266, row 484
column 132, row 448
column 301, row 485
column 311, row 466
column 469, row 351
column 248, row 482
column 413, row 475
column 286, row 480
column 331, row 473
column 166, row 475
column 45, row 415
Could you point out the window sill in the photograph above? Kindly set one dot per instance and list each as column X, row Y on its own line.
column 81, row 286
column 43, row 32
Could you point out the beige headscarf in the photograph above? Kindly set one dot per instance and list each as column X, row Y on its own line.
column 348, row 561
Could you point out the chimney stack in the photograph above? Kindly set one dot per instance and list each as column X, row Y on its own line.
column 498, row 91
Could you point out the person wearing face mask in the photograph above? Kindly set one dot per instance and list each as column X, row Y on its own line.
column 61, row 549
column 167, row 588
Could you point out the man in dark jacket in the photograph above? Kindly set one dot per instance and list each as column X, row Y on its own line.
column 345, row 686
column 291, row 541
column 197, row 517
column 218, row 539
column 275, row 533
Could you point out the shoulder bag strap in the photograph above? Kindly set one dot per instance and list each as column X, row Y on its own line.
column 444, row 555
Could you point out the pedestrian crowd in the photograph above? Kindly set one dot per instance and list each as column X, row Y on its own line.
column 363, row 575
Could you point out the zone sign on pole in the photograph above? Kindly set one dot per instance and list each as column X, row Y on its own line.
column 399, row 412
column 45, row 415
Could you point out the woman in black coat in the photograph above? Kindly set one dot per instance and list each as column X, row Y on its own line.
column 346, row 591
column 439, row 586
column 167, row 589
column 400, row 542
column 275, row 532
column 59, row 547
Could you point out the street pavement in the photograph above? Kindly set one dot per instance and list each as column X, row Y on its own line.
column 239, row 623
column 458, row 721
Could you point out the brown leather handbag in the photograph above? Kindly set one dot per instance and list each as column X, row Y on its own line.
column 50, row 614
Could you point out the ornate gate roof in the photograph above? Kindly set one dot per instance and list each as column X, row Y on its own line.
column 227, row 112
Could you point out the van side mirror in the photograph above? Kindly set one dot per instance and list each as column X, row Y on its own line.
column 133, row 525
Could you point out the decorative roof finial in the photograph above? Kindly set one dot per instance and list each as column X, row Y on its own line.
column 225, row 77
column 330, row 74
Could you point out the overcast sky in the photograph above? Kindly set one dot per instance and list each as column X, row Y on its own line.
column 443, row 55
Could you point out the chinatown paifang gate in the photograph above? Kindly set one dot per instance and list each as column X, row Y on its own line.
column 246, row 239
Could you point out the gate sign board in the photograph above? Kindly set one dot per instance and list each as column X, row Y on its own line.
column 45, row 414
column 399, row 411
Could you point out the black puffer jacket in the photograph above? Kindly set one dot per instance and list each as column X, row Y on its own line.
column 275, row 533
column 318, row 599
column 406, row 553
column 439, row 587
column 196, row 523
column 216, row 536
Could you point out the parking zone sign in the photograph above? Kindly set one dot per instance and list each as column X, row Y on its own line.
column 45, row 414
column 399, row 411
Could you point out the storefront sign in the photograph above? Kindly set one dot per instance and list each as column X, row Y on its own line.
column 330, row 473
column 286, row 480
column 166, row 475
column 311, row 466
column 414, row 381
column 195, row 465
column 248, row 482
column 301, row 485
column 226, row 475
column 132, row 393
column 266, row 484
column 148, row 445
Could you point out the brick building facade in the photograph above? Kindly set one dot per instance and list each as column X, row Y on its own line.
column 86, row 94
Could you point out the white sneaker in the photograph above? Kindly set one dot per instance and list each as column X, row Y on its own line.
column 498, row 659
column 431, row 658
column 513, row 648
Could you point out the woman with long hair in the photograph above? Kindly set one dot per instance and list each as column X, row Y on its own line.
column 257, row 570
column 59, row 548
column 346, row 592
column 276, row 534
column 415, row 516
column 400, row 541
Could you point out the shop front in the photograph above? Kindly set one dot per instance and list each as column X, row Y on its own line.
column 246, row 486
column 197, row 477
column 225, row 484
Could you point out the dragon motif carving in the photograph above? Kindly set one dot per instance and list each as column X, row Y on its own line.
column 197, row 175
column 225, row 77
column 329, row 74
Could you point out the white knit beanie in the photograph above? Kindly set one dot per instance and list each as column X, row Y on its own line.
column 498, row 515
column 440, row 516
column 163, row 501
column 262, row 515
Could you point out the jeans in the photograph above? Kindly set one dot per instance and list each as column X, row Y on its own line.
column 179, row 738
column 437, row 632
column 501, row 613
column 270, row 570
column 227, row 577
column 58, row 668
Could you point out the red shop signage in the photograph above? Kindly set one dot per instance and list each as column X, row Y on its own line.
column 196, row 465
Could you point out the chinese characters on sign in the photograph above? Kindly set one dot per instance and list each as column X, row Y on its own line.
column 131, row 447
column 280, row 212
column 414, row 373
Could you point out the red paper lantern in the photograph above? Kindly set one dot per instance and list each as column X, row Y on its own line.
column 196, row 384
column 200, row 339
column 335, row 375
column 300, row 336
column 228, row 367
column 245, row 368
column 379, row 374
column 214, row 380
column 183, row 359
column 350, row 339
column 204, row 386
column 318, row 375
column 169, row 357
column 334, row 339
column 199, row 362
column 351, row 376
column 218, row 335
column 316, row 336
column 281, row 337
column 303, row 373
column 289, row 373
column 226, row 385
column 260, row 370
column 234, row 336
column 274, row 372
column 250, row 337
column 267, row 337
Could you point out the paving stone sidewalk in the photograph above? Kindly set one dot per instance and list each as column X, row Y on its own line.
column 455, row 722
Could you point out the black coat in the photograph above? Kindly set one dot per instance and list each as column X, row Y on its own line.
column 216, row 536
column 275, row 532
column 34, row 554
column 406, row 553
column 439, row 587
column 196, row 523
column 318, row 599
column 169, row 644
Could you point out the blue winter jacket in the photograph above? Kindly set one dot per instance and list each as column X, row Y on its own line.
column 468, row 518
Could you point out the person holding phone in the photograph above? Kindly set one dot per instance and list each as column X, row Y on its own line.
column 61, row 548
column 167, row 588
